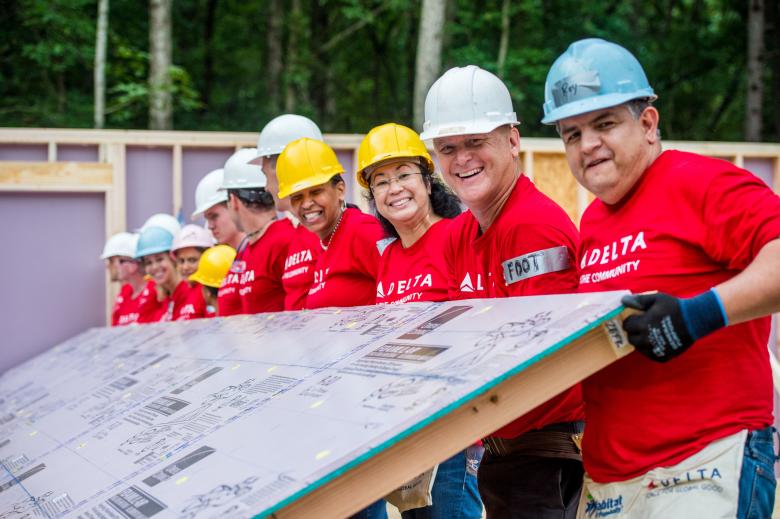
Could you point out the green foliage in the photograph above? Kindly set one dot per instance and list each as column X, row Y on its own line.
column 354, row 63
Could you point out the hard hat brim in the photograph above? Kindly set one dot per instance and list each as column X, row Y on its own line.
column 464, row 128
column 591, row 104
column 316, row 180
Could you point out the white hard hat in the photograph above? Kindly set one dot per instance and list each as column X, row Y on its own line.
column 240, row 174
column 208, row 194
column 193, row 236
column 284, row 129
column 120, row 244
column 464, row 101
column 164, row 220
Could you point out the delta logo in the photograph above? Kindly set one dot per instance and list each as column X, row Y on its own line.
column 691, row 476
column 467, row 286
column 418, row 281
column 603, row 507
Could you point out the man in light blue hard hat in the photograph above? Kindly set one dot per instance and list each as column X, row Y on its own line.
column 683, row 428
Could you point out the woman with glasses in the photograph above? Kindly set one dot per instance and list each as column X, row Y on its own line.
column 415, row 208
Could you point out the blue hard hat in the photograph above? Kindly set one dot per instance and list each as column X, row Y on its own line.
column 152, row 241
column 591, row 75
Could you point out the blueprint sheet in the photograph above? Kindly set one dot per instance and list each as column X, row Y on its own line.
column 239, row 416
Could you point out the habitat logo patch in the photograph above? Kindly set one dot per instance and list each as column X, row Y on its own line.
column 603, row 507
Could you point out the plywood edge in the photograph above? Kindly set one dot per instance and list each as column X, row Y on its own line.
column 382, row 473
column 76, row 176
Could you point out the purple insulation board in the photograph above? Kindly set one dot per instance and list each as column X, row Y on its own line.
column 52, row 277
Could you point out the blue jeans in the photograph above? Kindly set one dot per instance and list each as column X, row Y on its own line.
column 378, row 510
column 455, row 494
column 757, row 479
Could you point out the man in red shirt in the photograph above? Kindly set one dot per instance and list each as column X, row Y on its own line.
column 512, row 241
column 119, row 251
column 211, row 202
column 682, row 428
column 259, row 264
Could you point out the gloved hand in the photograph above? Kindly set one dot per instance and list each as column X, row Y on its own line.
column 670, row 325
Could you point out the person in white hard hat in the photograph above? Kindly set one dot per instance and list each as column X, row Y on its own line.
column 211, row 202
column 164, row 221
column 117, row 246
column 512, row 241
column 188, row 246
column 274, row 136
column 684, row 426
column 120, row 252
column 260, row 260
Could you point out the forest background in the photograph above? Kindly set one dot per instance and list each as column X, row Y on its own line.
column 233, row 65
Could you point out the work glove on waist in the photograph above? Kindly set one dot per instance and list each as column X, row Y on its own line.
column 669, row 325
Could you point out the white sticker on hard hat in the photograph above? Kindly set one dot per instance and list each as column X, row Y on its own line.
column 535, row 264
column 577, row 86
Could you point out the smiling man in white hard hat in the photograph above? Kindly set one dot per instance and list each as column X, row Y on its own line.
column 683, row 428
column 512, row 241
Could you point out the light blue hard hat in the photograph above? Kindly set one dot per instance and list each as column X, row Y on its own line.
column 591, row 75
column 152, row 241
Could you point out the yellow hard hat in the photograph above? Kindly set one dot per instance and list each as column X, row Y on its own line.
column 390, row 141
column 305, row 163
column 214, row 265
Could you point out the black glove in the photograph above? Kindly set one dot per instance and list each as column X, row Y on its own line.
column 670, row 325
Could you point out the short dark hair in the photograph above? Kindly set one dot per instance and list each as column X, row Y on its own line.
column 444, row 203
column 254, row 198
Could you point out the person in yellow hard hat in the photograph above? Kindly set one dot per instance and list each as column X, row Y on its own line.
column 416, row 209
column 344, row 274
column 213, row 266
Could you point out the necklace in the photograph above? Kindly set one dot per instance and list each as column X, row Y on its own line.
column 336, row 228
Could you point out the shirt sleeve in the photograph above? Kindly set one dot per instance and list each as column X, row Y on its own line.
column 524, row 241
column 741, row 214
column 367, row 237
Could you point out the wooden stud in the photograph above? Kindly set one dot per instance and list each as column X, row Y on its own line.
column 38, row 176
column 52, row 151
column 177, row 180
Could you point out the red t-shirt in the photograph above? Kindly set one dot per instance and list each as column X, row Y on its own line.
column 298, row 274
column 125, row 295
column 528, row 223
column 691, row 223
column 151, row 310
column 416, row 273
column 127, row 310
column 194, row 306
column 345, row 273
column 228, row 299
column 260, row 283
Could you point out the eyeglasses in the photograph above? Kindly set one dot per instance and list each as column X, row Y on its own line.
column 404, row 179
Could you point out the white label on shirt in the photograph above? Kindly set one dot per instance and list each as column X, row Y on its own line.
column 535, row 264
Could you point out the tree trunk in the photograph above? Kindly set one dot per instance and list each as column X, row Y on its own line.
column 293, row 57
column 274, row 53
column 755, row 63
column 773, row 58
column 208, row 52
column 160, row 105
column 100, row 64
column 504, row 45
column 429, row 45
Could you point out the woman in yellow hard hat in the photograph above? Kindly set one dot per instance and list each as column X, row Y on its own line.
column 213, row 266
column 416, row 209
column 344, row 274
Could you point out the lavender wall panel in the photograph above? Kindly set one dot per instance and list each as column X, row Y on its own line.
column 77, row 153
column 53, row 282
column 195, row 164
column 149, row 183
column 24, row 152
column 762, row 168
column 346, row 159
